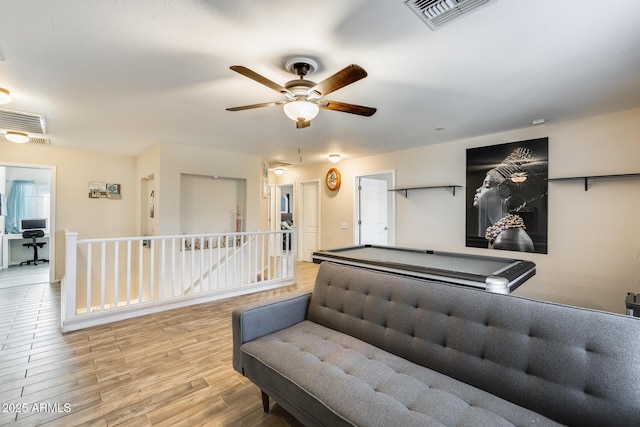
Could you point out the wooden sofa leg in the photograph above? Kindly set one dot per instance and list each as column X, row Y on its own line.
column 265, row 401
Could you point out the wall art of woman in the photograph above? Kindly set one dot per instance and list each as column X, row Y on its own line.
column 508, row 200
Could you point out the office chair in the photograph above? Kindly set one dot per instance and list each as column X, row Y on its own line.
column 33, row 234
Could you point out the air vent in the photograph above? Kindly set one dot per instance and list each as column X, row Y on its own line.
column 279, row 164
column 437, row 13
column 22, row 122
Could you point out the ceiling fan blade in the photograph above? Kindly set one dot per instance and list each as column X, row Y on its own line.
column 346, row 76
column 347, row 108
column 249, row 107
column 261, row 79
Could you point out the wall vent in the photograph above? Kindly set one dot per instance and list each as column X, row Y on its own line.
column 437, row 13
column 22, row 122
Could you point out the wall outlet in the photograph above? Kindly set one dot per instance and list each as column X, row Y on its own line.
column 344, row 226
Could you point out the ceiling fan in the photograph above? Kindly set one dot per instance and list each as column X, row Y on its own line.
column 303, row 98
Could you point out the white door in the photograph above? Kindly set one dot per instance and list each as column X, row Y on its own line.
column 373, row 211
column 310, row 224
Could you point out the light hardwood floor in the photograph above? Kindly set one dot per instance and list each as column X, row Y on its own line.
column 166, row 369
column 20, row 275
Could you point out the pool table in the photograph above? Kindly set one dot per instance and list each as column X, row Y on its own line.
column 492, row 274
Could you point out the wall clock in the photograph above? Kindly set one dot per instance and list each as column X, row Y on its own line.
column 333, row 179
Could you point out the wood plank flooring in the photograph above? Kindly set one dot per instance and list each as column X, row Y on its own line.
column 165, row 369
column 20, row 275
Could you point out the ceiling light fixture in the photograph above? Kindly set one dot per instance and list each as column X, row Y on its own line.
column 5, row 96
column 301, row 111
column 279, row 171
column 17, row 137
column 334, row 158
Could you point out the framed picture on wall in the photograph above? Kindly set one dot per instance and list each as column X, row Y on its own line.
column 506, row 196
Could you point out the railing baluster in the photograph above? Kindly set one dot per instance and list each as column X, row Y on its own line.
column 89, row 263
column 234, row 252
column 115, row 273
column 201, row 240
column 226, row 261
column 183, row 248
column 102, row 274
column 269, row 246
column 152, row 284
column 162, row 268
column 242, row 260
column 128, row 272
column 140, row 269
column 173, row 263
column 262, row 258
column 210, row 270
column 218, row 266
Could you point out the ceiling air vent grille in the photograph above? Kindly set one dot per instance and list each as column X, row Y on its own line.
column 279, row 164
column 22, row 122
column 436, row 13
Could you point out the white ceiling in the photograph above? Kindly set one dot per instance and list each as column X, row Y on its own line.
column 120, row 75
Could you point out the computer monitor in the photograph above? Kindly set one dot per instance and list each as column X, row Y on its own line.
column 33, row 224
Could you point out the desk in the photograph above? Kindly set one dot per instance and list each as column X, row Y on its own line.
column 492, row 274
column 6, row 256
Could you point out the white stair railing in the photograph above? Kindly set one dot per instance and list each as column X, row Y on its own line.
column 117, row 278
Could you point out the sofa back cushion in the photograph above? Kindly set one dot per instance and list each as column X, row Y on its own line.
column 573, row 365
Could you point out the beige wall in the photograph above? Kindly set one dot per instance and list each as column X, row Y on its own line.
column 594, row 236
column 95, row 218
column 180, row 159
column 74, row 210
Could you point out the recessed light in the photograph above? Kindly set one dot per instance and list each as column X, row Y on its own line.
column 17, row 137
column 537, row 122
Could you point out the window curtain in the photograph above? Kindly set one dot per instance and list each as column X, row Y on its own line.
column 18, row 206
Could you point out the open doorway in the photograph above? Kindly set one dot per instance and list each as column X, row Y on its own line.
column 27, row 199
column 374, row 210
column 284, row 212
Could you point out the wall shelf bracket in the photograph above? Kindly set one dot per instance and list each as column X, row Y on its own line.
column 405, row 191
column 587, row 179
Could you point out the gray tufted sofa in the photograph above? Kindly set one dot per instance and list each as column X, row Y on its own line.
column 375, row 349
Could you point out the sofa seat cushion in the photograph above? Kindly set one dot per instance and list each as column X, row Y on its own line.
column 339, row 379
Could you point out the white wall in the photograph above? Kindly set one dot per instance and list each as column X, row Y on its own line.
column 594, row 236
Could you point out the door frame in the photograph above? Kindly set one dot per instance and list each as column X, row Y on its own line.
column 300, row 219
column 52, row 211
column 391, row 205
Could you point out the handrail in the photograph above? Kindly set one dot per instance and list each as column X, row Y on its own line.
column 113, row 278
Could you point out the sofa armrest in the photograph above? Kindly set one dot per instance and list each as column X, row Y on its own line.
column 255, row 320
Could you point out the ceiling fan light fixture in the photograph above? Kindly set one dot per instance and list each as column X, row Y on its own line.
column 334, row 158
column 17, row 137
column 301, row 110
column 5, row 96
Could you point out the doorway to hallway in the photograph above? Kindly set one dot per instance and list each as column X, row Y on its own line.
column 374, row 210
column 309, row 229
